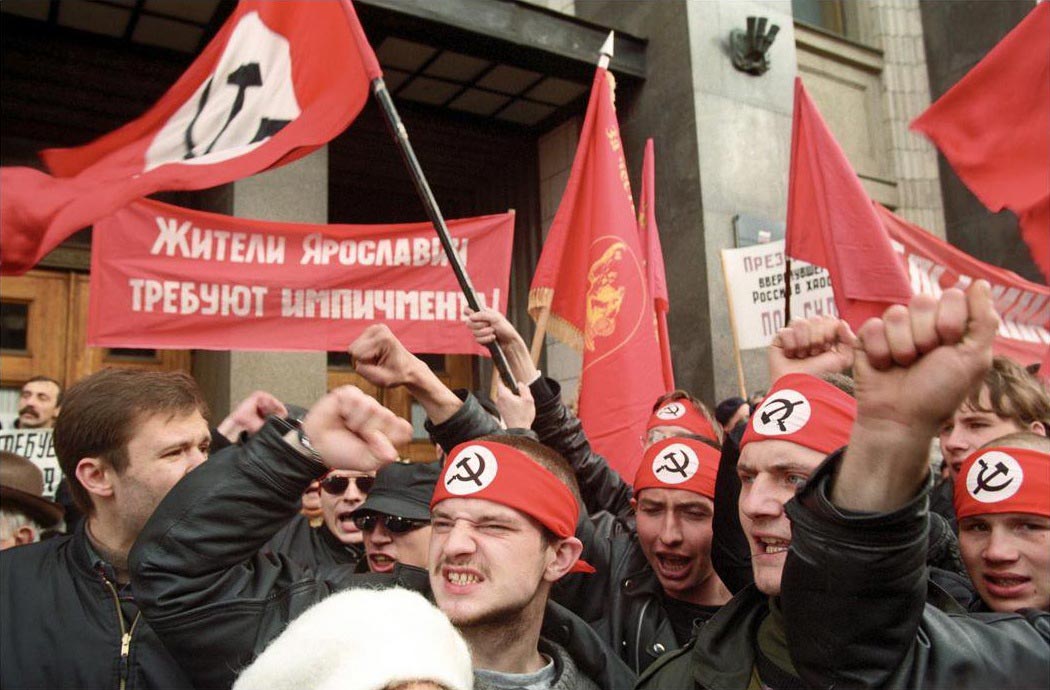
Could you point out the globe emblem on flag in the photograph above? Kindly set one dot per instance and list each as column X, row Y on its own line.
column 248, row 98
column 473, row 469
column 784, row 412
column 994, row 477
column 675, row 464
column 616, row 295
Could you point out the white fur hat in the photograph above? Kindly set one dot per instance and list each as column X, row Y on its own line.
column 363, row 639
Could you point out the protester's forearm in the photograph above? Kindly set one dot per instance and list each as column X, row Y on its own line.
column 521, row 364
column 885, row 464
column 437, row 400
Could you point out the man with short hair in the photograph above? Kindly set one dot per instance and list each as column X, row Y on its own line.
column 655, row 580
column 24, row 512
column 124, row 439
column 336, row 540
column 206, row 588
column 1009, row 399
column 39, row 403
column 840, row 587
column 1002, row 499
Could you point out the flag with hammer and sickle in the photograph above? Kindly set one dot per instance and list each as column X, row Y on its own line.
column 278, row 80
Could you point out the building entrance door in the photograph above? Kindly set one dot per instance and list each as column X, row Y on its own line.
column 43, row 330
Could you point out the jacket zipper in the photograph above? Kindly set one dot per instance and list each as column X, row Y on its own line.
column 638, row 637
column 125, row 635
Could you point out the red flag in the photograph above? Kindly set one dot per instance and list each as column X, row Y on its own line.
column 654, row 261
column 993, row 126
column 934, row 265
column 832, row 224
column 592, row 277
column 276, row 82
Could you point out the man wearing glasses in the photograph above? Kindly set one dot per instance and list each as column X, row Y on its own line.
column 336, row 540
column 395, row 518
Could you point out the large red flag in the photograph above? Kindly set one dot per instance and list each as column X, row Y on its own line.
column 276, row 82
column 993, row 126
column 654, row 261
column 832, row 224
column 591, row 275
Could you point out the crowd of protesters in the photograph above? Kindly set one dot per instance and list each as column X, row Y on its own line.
column 800, row 538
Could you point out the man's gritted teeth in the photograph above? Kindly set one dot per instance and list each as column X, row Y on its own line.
column 460, row 576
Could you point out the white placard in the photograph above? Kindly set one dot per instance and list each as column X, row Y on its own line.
column 755, row 285
column 36, row 445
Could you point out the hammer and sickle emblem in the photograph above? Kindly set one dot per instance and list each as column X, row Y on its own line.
column 673, row 464
column 783, row 406
column 469, row 474
column 672, row 410
column 985, row 483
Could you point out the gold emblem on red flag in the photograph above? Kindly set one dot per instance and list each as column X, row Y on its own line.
column 604, row 294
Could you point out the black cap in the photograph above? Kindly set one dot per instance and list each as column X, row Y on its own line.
column 403, row 490
column 727, row 408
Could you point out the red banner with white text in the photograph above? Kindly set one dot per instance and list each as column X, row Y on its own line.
column 171, row 278
column 933, row 266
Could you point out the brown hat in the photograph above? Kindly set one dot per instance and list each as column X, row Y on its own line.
column 22, row 487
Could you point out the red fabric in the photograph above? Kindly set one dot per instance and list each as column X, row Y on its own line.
column 313, row 70
column 1003, row 480
column 993, row 126
column 933, row 266
column 316, row 287
column 654, row 262
column 805, row 410
column 679, row 463
column 682, row 413
column 501, row 474
column 592, row 275
column 831, row 223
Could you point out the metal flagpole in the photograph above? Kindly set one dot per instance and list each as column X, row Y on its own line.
column 408, row 155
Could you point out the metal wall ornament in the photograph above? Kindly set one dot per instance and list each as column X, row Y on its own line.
column 748, row 48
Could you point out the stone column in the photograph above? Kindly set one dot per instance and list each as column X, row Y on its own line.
column 296, row 192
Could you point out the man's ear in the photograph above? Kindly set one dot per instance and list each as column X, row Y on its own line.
column 1039, row 428
column 96, row 476
column 24, row 535
column 566, row 552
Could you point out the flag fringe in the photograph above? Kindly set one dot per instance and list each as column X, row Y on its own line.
column 563, row 330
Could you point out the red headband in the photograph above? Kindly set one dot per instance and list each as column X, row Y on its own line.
column 682, row 412
column 1003, row 480
column 501, row 474
column 679, row 463
column 805, row 410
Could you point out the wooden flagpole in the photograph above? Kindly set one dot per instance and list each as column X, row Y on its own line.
column 408, row 155
column 732, row 328
column 539, row 335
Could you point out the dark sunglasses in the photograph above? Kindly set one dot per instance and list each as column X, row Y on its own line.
column 393, row 523
column 337, row 485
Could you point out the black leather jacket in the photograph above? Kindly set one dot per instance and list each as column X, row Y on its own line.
column 63, row 626
column 859, row 611
column 217, row 601
column 314, row 547
column 855, row 606
column 624, row 600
